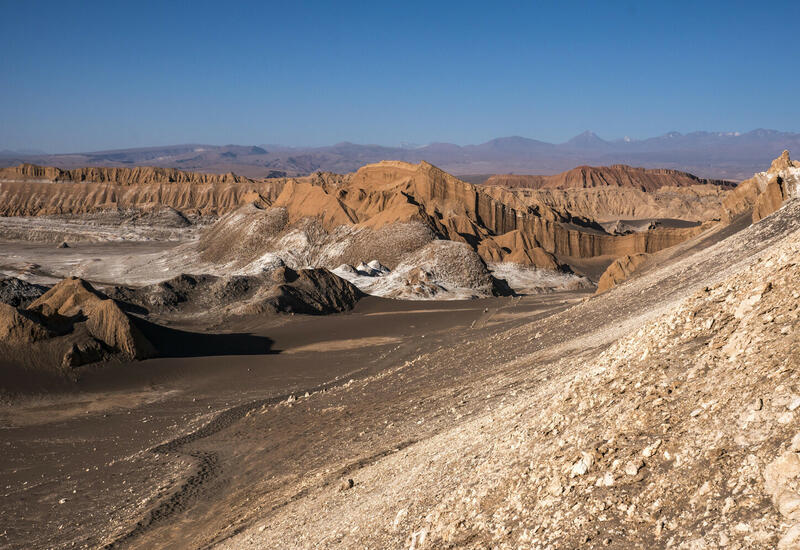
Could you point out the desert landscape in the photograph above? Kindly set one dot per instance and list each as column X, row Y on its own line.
column 419, row 276
column 397, row 358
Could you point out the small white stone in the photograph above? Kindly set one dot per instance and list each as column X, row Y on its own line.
column 555, row 488
column 582, row 465
column 401, row 515
column 418, row 539
column 651, row 449
column 791, row 539
column 632, row 467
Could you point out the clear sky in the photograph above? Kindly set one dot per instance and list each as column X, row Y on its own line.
column 82, row 75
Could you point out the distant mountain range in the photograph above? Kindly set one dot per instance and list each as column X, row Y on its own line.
column 723, row 155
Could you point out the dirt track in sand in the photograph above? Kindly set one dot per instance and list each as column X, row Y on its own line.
column 95, row 438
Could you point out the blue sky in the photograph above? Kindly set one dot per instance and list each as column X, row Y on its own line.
column 81, row 76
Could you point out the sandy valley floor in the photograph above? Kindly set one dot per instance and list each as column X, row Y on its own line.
column 92, row 441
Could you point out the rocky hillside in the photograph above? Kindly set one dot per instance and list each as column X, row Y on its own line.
column 666, row 418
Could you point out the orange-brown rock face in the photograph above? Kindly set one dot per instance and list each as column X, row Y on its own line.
column 617, row 175
column 75, row 299
column 604, row 204
column 499, row 225
column 392, row 192
column 620, row 270
column 766, row 191
column 123, row 176
column 19, row 327
column 518, row 248
column 39, row 198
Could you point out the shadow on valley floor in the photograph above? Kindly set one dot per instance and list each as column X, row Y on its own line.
column 174, row 343
column 170, row 344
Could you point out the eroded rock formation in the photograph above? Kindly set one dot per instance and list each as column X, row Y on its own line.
column 70, row 325
column 766, row 191
column 75, row 300
column 619, row 270
column 123, row 176
column 281, row 289
column 390, row 193
column 616, row 175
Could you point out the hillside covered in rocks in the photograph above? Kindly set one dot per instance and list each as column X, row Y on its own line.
column 671, row 422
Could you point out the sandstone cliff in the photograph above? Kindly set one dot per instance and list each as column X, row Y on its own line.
column 36, row 198
column 697, row 203
column 123, row 176
column 766, row 191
